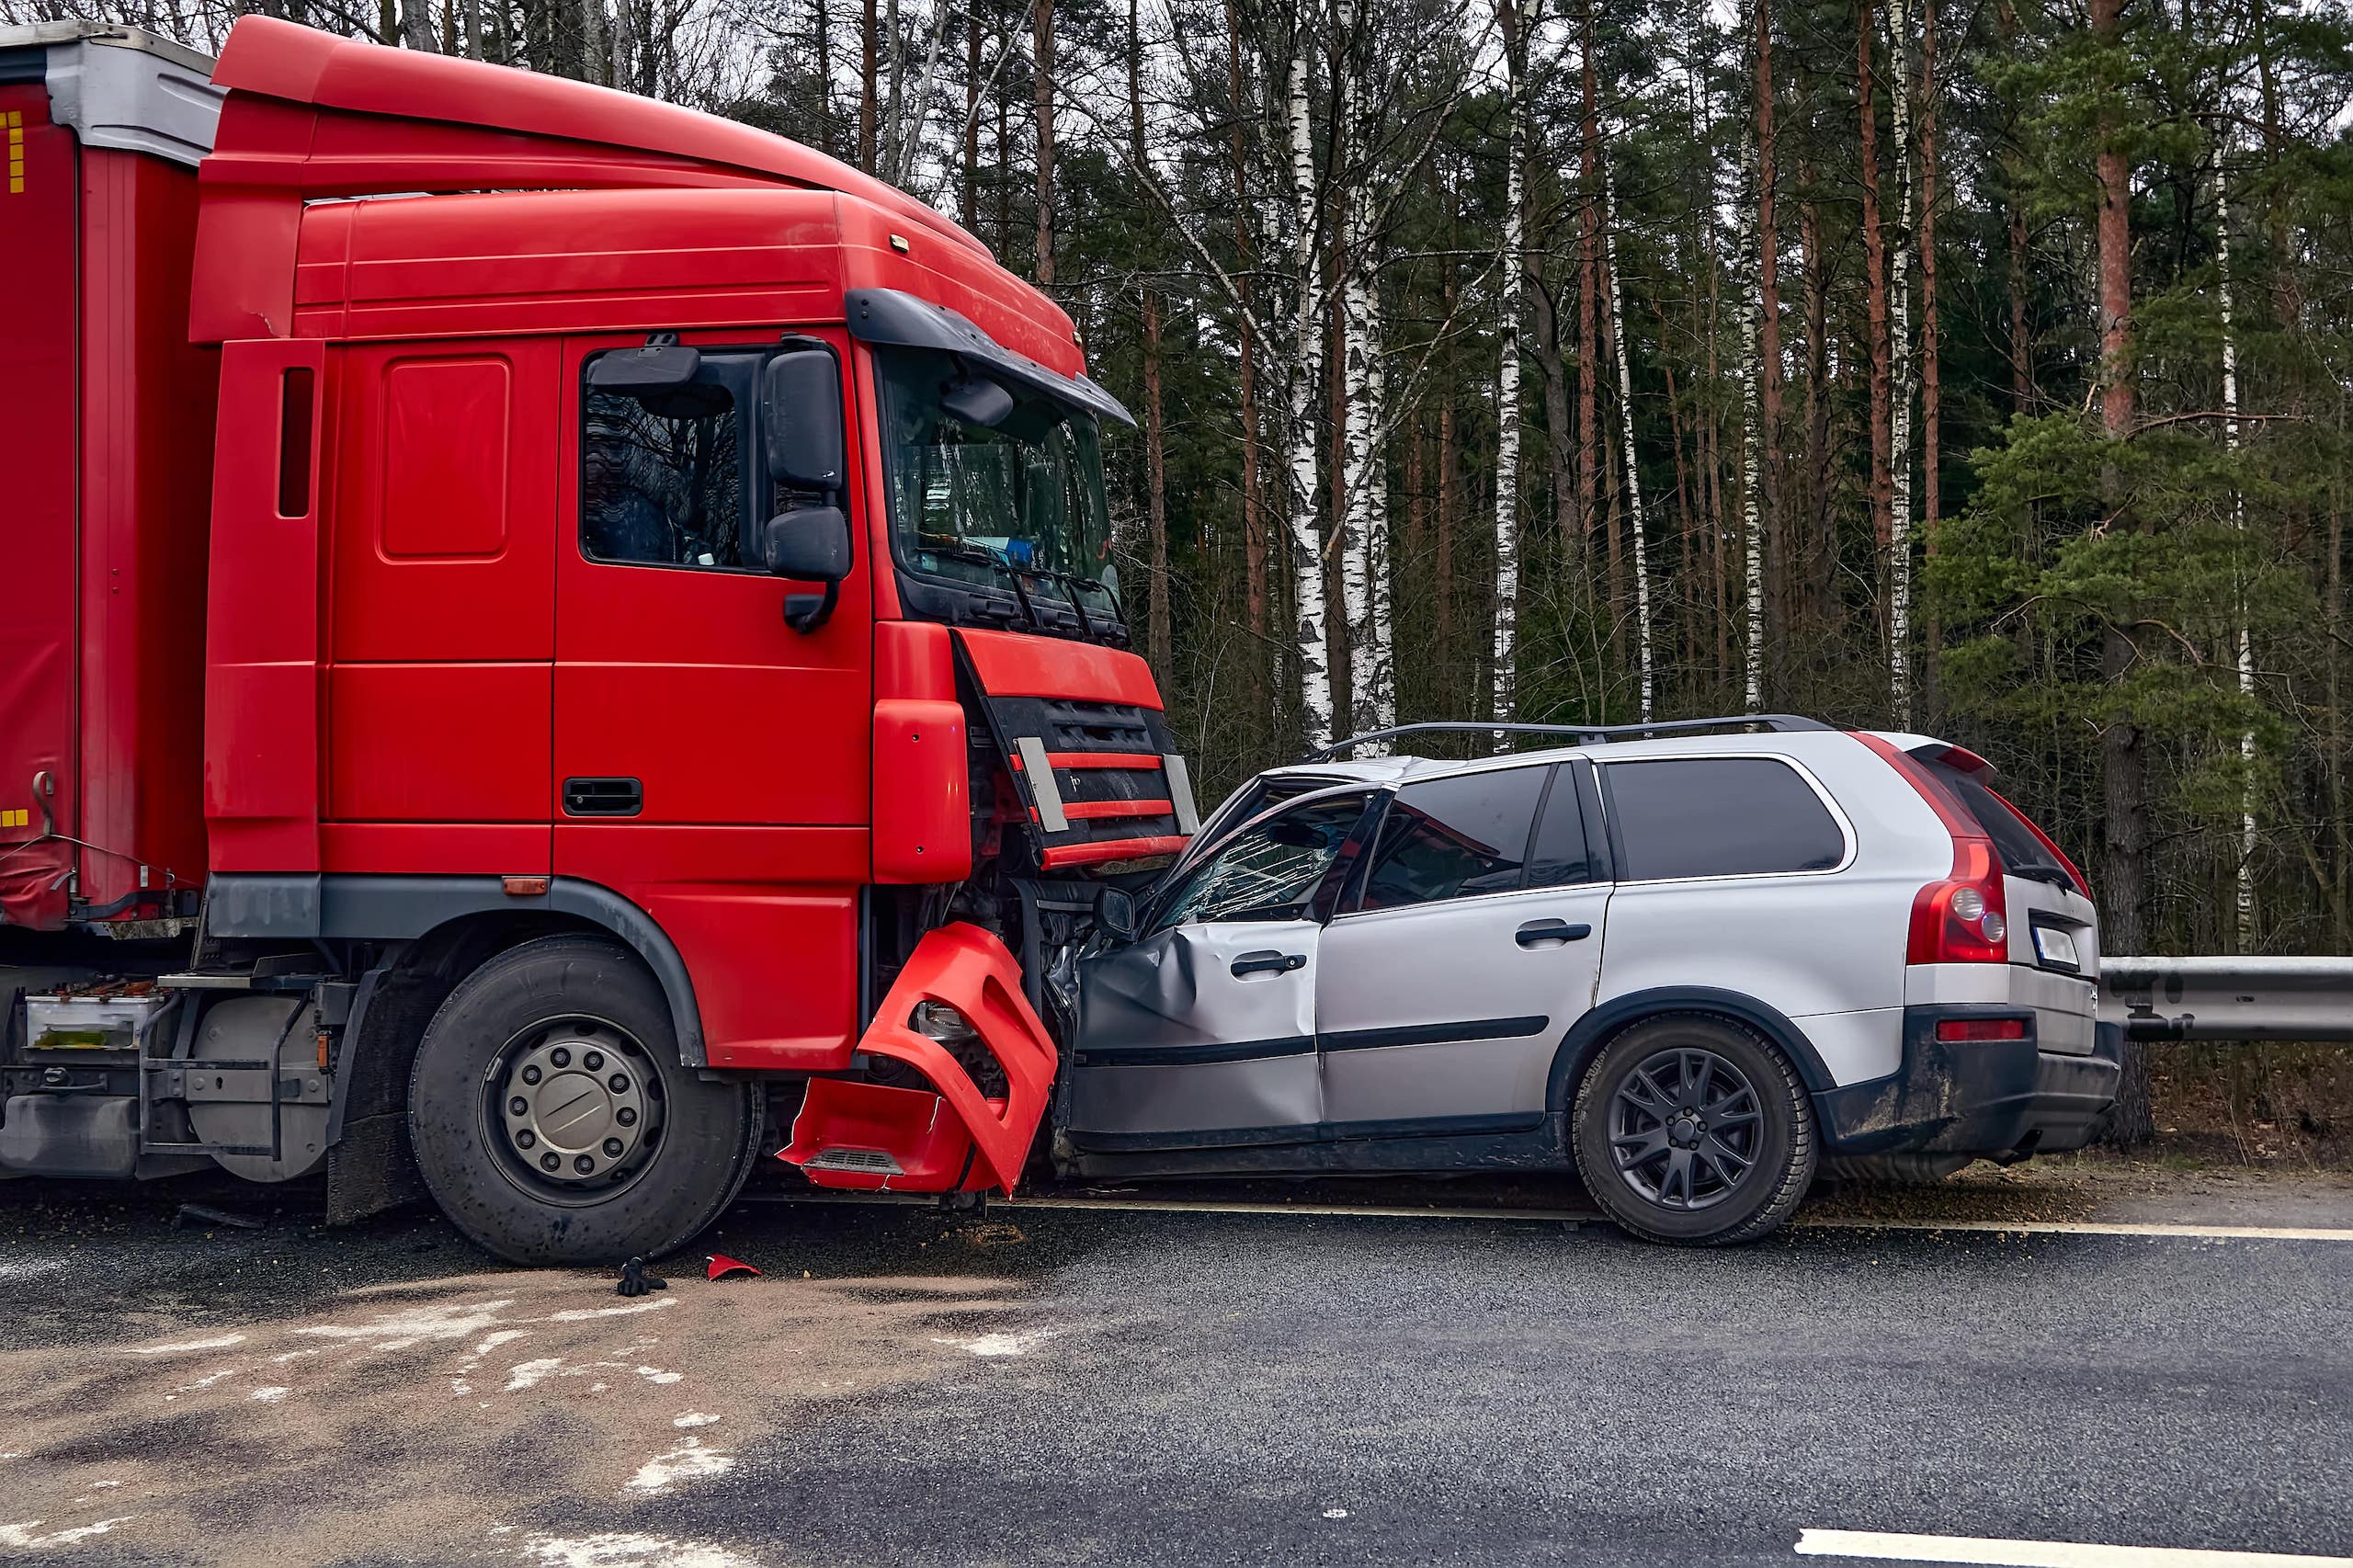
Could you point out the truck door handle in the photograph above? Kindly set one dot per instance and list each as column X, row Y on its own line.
column 603, row 797
column 1268, row 963
column 1551, row 932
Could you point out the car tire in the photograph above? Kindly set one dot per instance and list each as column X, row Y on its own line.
column 553, row 1121
column 1652, row 1158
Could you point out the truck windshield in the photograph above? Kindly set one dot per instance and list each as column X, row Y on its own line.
column 1015, row 505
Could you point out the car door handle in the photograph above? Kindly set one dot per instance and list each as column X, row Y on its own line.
column 1268, row 963
column 1551, row 932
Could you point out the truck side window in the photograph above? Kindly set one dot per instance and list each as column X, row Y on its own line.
column 662, row 482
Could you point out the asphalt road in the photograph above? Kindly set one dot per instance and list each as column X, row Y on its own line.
column 1073, row 1386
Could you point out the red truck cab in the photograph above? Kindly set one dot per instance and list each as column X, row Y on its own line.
column 664, row 684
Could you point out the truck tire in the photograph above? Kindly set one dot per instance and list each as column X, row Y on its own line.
column 554, row 1121
column 1693, row 1131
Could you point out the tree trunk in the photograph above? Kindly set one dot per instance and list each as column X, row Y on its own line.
column 1254, row 521
column 2021, row 343
column 1875, row 298
column 869, row 78
column 1042, row 45
column 1768, row 339
column 1589, row 339
column 970, row 207
column 869, row 67
column 1899, row 553
column 1931, row 363
column 1306, row 557
column 1751, row 440
column 2244, row 902
column 1503, row 691
column 1818, row 567
column 1158, row 640
column 1622, row 348
column 2124, row 847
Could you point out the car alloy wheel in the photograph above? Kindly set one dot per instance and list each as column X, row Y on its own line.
column 1684, row 1125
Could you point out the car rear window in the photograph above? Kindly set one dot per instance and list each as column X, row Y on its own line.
column 1455, row 838
column 1718, row 816
column 2022, row 853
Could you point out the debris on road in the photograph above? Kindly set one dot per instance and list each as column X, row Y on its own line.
column 635, row 1281
column 204, row 1214
column 722, row 1266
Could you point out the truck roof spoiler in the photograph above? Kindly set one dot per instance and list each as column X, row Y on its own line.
column 311, row 116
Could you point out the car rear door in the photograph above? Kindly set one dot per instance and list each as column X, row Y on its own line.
column 1475, row 943
column 1203, row 1030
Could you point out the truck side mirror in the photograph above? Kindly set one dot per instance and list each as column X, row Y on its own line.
column 1116, row 914
column 801, row 415
column 809, row 544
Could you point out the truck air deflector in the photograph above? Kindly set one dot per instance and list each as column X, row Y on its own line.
column 893, row 317
column 1086, row 749
column 873, row 1137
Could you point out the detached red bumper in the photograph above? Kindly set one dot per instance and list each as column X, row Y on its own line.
column 952, row 1138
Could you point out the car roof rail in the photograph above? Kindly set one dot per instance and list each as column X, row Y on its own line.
column 1578, row 734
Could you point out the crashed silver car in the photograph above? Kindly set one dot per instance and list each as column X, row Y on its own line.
column 1689, row 964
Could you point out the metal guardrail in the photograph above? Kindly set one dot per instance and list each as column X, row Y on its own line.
column 2228, row 998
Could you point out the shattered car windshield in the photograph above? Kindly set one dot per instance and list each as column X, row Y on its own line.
column 1268, row 871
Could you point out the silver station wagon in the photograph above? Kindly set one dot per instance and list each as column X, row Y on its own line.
column 1691, row 962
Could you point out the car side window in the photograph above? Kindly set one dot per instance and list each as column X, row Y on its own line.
column 1268, row 871
column 1562, row 856
column 1455, row 838
column 1718, row 816
column 665, row 478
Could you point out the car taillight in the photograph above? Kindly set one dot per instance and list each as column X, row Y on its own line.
column 1961, row 919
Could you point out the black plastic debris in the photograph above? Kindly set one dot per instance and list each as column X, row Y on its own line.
column 205, row 1214
column 635, row 1281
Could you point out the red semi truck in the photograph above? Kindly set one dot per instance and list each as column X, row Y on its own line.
column 558, row 646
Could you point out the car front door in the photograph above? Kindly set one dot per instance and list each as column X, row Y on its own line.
column 1475, row 943
column 1203, row 1030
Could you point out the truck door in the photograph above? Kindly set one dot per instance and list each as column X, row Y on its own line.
column 1203, row 1030
column 709, row 761
column 1476, row 943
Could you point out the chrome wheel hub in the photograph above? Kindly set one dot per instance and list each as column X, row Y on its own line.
column 573, row 1102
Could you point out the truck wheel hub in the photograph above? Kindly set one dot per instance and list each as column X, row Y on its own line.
column 573, row 1101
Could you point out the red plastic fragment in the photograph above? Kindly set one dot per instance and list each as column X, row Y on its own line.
column 722, row 1266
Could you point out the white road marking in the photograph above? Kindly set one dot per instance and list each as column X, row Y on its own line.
column 220, row 1343
column 22, row 1534
column 2039, row 1553
column 620, row 1549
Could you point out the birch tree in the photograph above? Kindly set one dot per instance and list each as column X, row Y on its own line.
column 1635, row 522
column 1899, row 443
column 1514, row 285
column 2242, row 903
column 1304, row 375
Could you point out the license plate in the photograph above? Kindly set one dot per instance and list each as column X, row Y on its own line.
column 2053, row 946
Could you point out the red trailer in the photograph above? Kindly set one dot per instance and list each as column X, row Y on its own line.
column 572, row 645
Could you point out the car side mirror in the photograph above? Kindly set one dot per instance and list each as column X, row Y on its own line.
column 1116, row 914
column 802, row 415
column 810, row 544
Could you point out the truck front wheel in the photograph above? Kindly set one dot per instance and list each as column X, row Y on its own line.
column 554, row 1121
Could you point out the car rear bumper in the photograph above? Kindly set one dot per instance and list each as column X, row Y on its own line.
column 1975, row 1097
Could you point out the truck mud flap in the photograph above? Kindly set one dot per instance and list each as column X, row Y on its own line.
column 873, row 1137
